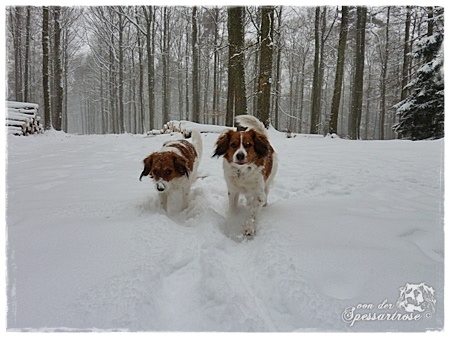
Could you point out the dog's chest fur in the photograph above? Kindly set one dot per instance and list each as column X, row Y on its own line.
column 245, row 178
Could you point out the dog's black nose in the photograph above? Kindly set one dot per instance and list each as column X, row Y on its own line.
column 240, row 156
column 160, row 186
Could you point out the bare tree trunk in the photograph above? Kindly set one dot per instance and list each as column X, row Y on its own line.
column 120, row 88
column 57, row 72
column 45, row 66
column 321, row 70
column 278, row 73
column 231, row 78
column 205, row 86
column 65, row 52
column 140, row 122
column 16, row 19
column 302, row 94
column 369, row 91
column 215, row 103
column 292, row 122
column 180, row 93
column 113, row 89
column 357, row 88
column 188, row 107
column 335, row 103
column 104, row 124
column 132, row 109
column 405, row 69
column 150, row 41
column 255, row 83
column 180, row 86
column 237, row 100
column 383, row 77
column 265, row 65
column 195, row 68
column 315, row 97
column 26, row 74
column 254, row 96
column 341, row 122
column 165, row 64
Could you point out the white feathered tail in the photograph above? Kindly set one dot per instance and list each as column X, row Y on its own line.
column 197, row 142
column 251, row 122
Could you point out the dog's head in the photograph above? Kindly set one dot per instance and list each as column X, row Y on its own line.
column 416, row 297
column 163, row 168
column 242, row 147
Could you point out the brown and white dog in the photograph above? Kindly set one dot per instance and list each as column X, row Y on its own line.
column 174, row 168
column 250, row 165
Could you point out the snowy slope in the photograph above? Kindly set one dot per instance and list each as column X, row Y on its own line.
column 348, row 223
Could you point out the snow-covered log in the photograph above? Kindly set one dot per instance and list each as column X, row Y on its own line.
column 22, row 118
column 185, row 127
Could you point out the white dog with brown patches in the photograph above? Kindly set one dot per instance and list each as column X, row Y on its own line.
column 174, row 168
column 249, row 165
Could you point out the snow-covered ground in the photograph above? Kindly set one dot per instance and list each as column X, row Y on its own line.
column 348, row 224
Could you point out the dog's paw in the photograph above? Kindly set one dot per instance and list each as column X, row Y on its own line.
column 249, row 232
column 249, row 228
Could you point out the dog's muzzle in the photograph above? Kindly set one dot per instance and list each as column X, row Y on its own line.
column 160, row 186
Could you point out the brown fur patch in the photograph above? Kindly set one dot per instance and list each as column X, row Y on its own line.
column 187, row 150
column 168, row 165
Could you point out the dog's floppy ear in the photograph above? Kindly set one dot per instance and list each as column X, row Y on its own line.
column 428, row 296
column 402, row 298
column 148, row 163
column 261, row 144
column 180, row 165
column 222, row 144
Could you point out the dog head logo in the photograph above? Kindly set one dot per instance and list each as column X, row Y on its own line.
column 416, row 298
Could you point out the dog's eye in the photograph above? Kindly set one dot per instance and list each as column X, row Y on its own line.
column 234, row 145
column 168, row 172
column 155, row 172
column 247, row 145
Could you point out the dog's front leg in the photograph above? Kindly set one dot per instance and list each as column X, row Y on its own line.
column 185, row 197
column 233, row 198
column 163, row 200
column 257, row 203
column 266, row 193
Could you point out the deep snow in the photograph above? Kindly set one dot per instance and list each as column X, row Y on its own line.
column 348, row 223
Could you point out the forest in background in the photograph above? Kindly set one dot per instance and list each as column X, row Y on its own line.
column 116, row 69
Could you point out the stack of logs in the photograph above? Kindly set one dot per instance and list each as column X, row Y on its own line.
column 22, row 118
column 168, row 128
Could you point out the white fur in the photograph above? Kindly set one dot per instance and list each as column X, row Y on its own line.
column 181, row 185
column 248, row 179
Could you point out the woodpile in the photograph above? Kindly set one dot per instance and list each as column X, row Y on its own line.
column 22, row 118
column 186, row 127
column 172, row 127
column 168, row 128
